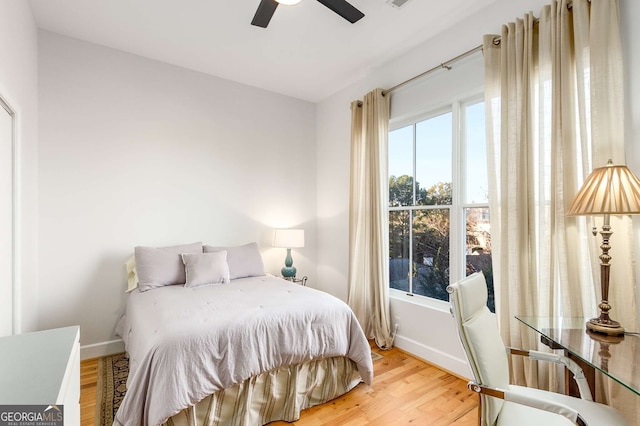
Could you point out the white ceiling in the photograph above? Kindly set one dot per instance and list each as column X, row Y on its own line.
column 307, row 51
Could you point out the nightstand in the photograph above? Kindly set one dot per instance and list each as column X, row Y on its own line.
column 301, row 281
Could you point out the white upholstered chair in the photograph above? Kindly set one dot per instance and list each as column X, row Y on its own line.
column 500, row 402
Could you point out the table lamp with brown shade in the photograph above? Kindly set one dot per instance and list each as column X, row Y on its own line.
column 607, row 190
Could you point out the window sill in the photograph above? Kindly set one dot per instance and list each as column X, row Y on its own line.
column 427, row 302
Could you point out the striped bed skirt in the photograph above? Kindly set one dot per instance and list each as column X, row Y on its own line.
column 275, row 395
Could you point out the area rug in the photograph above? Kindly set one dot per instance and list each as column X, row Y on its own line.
column 111, row 386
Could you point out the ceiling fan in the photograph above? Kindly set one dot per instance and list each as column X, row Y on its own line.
column 267, row 8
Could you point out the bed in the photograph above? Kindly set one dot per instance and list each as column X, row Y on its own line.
column 247, row 352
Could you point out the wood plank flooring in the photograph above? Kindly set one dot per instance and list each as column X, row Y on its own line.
column 88, row 390
column 405, row 391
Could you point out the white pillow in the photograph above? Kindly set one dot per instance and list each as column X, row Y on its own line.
column 244, row 261
column 132, row 274
column 161, row 266
column 206, row 268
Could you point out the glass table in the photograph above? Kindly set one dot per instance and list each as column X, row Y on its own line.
column 616, row 356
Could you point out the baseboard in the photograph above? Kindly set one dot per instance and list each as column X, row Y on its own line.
column 451, row 364
column 98, row 350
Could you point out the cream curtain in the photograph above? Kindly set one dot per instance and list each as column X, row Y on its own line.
column 607, row 123
column 554, row 110
column 368, row 220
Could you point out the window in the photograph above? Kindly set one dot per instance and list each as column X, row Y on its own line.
column 439, row 226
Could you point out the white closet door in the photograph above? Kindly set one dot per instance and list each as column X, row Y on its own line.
column 6, row 222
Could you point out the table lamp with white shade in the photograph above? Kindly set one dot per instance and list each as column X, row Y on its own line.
column 607, row 190
column 288, row 238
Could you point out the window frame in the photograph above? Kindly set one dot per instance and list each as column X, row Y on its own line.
column 457, row 234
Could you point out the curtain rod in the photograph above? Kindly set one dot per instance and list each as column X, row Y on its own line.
column 446, row 65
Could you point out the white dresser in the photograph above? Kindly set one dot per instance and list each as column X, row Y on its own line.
column 42, row 368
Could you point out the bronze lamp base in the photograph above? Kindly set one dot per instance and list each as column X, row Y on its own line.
column 604, row 324
column 608, row 327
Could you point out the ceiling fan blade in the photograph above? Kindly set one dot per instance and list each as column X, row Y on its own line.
column 344, row 9
column 264, row 13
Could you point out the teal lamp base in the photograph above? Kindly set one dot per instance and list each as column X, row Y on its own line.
column 289, row 271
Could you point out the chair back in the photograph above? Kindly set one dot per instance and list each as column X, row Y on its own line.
column 480, row 337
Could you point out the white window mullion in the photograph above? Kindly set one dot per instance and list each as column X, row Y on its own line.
column 410, row 272
column 414, row 171
column 456, row 220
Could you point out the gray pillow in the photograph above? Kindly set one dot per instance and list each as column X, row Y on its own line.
column 205, row 268
column 160, row 266
column 244, row 261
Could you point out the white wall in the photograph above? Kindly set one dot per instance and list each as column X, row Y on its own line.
column 136, row 152
column 18, row 86
column 6, row 219
column 425, row 331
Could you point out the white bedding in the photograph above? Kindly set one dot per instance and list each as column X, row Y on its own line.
column 187, row 343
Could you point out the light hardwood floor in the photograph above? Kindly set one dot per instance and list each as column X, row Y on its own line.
column 405, row 391
column 88, row 382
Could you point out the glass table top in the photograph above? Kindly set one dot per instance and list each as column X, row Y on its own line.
column 617, row 357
